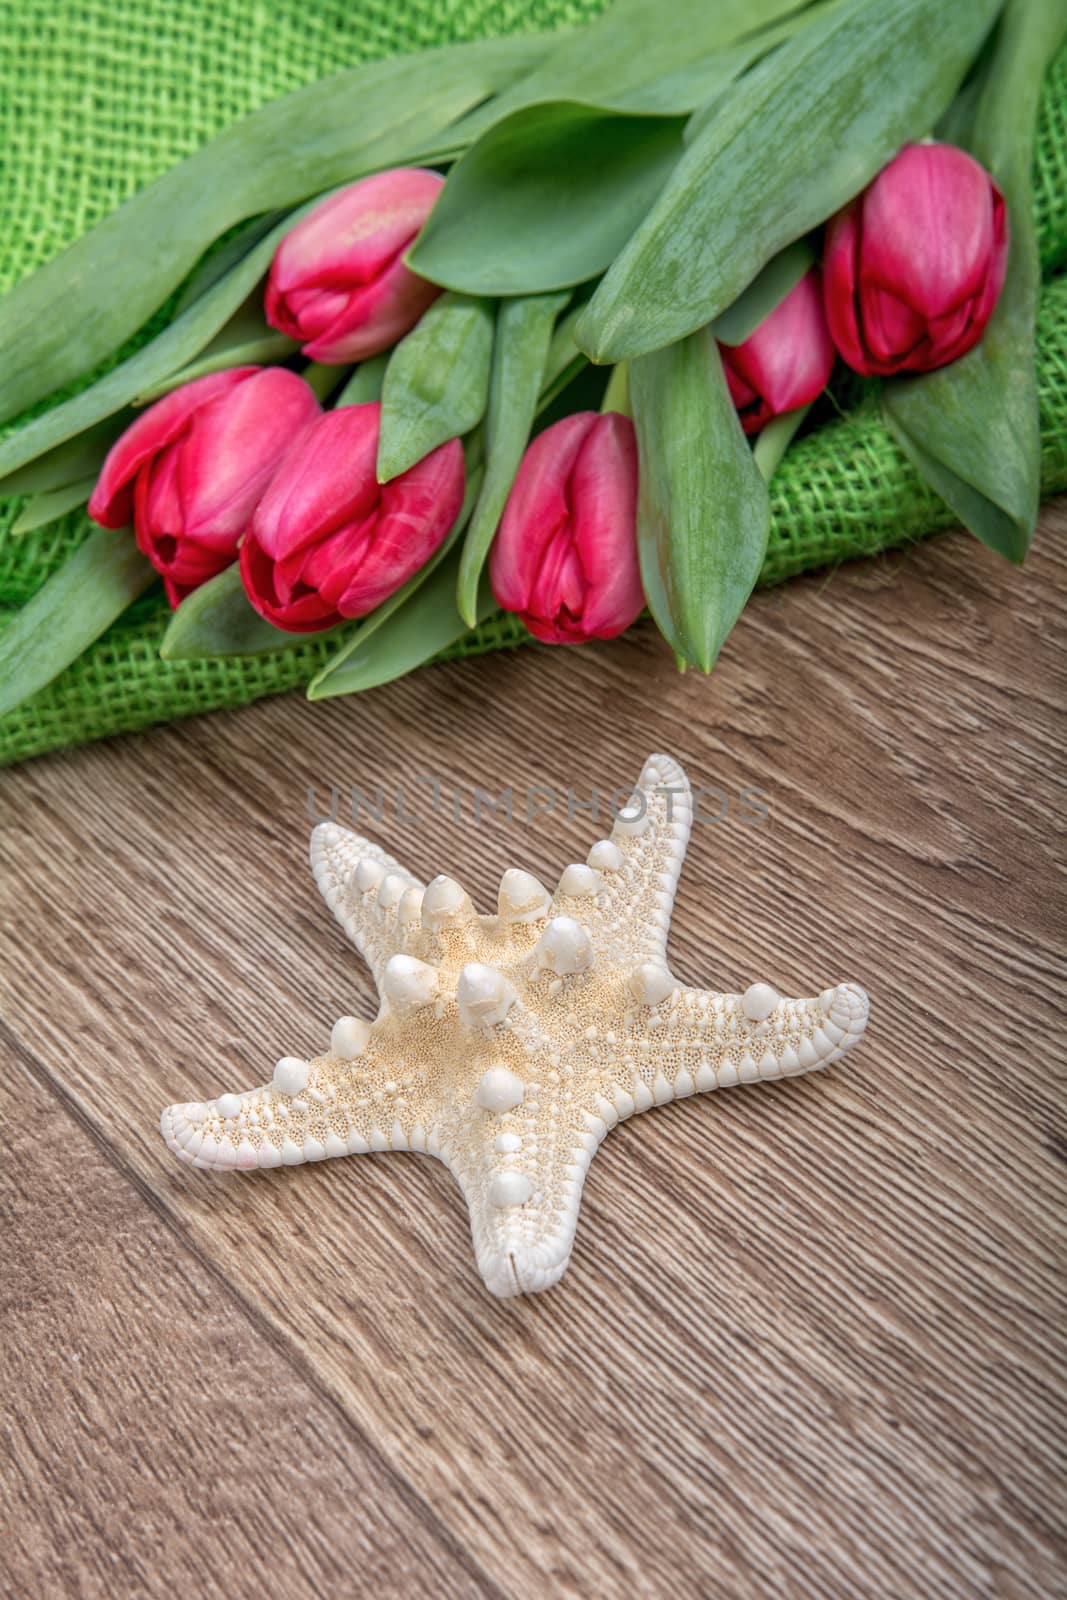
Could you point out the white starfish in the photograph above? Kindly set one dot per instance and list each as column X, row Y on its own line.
column 508, row 1046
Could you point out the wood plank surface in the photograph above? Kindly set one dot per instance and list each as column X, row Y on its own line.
column 809, row 1343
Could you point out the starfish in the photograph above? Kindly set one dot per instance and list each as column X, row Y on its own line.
column 508, row 1046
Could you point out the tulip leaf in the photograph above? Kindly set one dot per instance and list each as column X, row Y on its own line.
column 437, row 382
column 71, row 609
column 632, row 58
column 246, row 340
column 766, row 291
column 73, row 313
column 564, row 360
column 731, row 63
column 703, row 513
column 227, row 253
column 523, row 335
column 69, row 462
column 545, row 200
column 413, row 633
column 218, row 619
column 791, row 142
column 775, row 438
column 365, row 384
column 972, row 428
column 54, row 503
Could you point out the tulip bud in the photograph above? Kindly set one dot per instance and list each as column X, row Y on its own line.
column 565, row 557
column 786, row 362
column 328, row 541
column 190, row 470
column 914, row 265
column 338, row 283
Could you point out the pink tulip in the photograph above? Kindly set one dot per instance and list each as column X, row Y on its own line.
column 338, row 283
column 914, row 265
column 328, row 541
column 786, row 362
column 190, row 470
column 565, row 557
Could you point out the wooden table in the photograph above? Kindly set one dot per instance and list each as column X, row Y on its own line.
column 808, row 1344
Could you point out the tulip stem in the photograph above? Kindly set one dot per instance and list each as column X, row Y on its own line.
column 617, row 393
column 365, row 383
column 775, row 440
column 323, row 379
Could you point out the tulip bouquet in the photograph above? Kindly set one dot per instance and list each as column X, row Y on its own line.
column 529, row 325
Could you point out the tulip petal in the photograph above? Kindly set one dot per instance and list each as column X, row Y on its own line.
column 913, row 273
column 354, row 235
column 603, row 494
column 307, row 614
column 111, row 503
column 786, row 362
column 840, row 254
column 338, row 283
column 327, row 541
column 536, row 508
column 233, row 448
column 928, row 228
column 370, row 319
column 418, row 509
column 326, row 484
column 892, row 329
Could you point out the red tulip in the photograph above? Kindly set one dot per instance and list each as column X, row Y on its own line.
column 786, row 362
column 565, row 557
column 328, row 541
column 338, row 283
column 189, row 471
column 914, row 265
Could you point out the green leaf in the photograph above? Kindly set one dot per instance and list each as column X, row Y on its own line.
column 427, row 623
column 564, row 360
column 224, row 255
column 218, row 619
column 246, row 340
column 45, row 508
column 775, row 438
column 381, row 621
column 366, row 382
column 68, row 462
column 767, row 290
column 972, row 429
column 545, row 200
column 790, row 143
column 703, row 514
column 60, row 322
column 437, row 382
column 523, row 334
column 633, row 59
column 75, row 605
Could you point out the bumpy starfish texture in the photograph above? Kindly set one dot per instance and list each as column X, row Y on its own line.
column 509, row 1045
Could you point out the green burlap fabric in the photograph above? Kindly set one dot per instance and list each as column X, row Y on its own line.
column 99, row 96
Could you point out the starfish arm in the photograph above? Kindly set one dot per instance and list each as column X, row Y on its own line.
column 373, row 920
column 311, row 1110
column 695, row 1040
column 636, row 871
column 521, row 1174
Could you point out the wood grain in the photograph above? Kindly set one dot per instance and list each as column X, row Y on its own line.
column 809, row 1343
